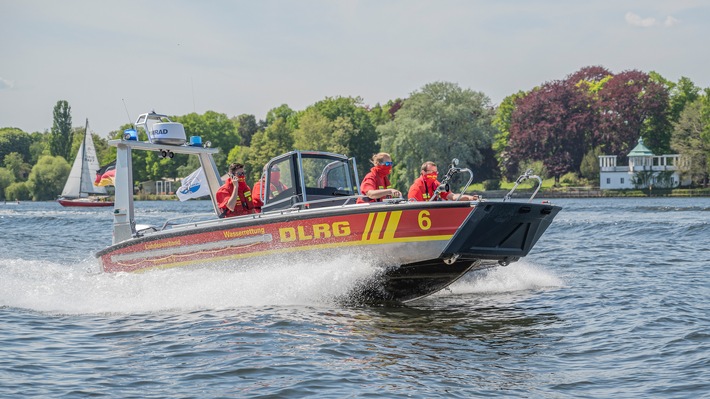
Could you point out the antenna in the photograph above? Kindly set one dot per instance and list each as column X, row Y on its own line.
column 127, row 114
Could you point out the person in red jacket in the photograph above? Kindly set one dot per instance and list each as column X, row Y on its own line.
column 275, row 184
column 376, row 185
column 234, row 197
column 425, row 185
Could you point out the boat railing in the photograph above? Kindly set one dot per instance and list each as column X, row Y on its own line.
column 525, row 176
column 346, row 200
column 470, row 179
column 453, row 170
column 190, row 219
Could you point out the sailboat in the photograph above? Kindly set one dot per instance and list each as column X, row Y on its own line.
column 79, row 189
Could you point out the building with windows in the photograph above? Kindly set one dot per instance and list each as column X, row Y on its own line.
column 644, row 170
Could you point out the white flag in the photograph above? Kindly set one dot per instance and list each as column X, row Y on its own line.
column 193, row 186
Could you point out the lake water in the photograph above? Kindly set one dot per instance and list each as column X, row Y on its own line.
column 613, row 302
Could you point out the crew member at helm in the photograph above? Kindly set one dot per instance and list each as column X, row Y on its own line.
column 234, row 197
column 275, row 187
column 425, row 186
column 376, row 185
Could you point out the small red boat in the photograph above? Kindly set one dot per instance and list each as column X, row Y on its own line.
column 86, row 202
column 419, row 248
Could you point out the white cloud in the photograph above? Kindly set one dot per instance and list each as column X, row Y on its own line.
column 670, row 21
column 636, row 20
column 6, row 84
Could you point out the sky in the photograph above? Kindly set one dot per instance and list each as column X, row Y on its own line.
column 113, row 60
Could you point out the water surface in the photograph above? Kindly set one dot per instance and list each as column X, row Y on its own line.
column 612, row 302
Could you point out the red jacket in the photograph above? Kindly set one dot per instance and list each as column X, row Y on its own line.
column 276, row 188
column 422, row 189
column 373, row 181
column 244, row 205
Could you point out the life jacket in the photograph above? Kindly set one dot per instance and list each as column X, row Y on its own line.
column 421, row 191
column 244, row 205
column 276, row 187
column 373, row 181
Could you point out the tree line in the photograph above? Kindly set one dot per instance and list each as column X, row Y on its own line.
column 557, row 128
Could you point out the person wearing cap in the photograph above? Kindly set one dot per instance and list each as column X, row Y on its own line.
column 376, row 185
column 234, row 196
column 275, row 187
column 426, row 184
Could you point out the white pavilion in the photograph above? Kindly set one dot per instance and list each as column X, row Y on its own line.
column 644, row 169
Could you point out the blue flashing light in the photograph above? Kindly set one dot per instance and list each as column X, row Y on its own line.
column 196, row 141
column 130, row 134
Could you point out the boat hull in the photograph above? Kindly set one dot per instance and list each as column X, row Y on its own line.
column 83, row 202
column 420, row 247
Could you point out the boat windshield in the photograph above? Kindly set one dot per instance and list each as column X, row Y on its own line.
column 328, row 175
column 308, row 176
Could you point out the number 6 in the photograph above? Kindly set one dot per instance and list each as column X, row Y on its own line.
column 424, row 221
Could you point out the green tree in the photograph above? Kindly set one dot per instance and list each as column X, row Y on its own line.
column 380, row 115
column 438, row 123
column 61, row 136
column 680, row 94
column 6, row 179
column 501, row 121
column 589, row 168
column 314, row 131
column 17, row 191
column 39, row 145
column 274, row 140
column 246, row 128
column 19, row 168
column 212, row 126
column 47, row 178
column 691, row 139
column 352, row 123
column 317, row 132
column 240, row 154
column 193, row 163
column 283, row 112
column 15, row 140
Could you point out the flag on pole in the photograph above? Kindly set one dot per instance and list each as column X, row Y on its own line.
column 106, row 175
column 193, row 186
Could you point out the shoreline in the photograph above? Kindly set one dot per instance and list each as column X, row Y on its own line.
column 519, row 194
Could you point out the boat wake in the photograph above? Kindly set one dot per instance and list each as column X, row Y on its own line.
column 519, row 276
column 46, row 286
column 80, row 288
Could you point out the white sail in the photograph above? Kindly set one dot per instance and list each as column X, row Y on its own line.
column 83, row 172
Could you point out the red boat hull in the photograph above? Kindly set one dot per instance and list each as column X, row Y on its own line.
column 83, row 202
column 283, row 238
column 420, row 248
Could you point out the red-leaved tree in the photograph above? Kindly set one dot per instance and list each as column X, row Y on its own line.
column 550, row 124
column 629, row 104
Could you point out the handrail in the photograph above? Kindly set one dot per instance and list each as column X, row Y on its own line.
column 297, row 205
column 470, row 179
column 453, row 170
column 191, row 218
column 525, row 176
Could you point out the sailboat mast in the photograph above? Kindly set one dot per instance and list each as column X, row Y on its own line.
column 83, row 152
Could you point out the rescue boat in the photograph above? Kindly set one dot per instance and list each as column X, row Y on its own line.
column 419, row 248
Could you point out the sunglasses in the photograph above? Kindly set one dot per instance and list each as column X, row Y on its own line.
column 388, row 163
